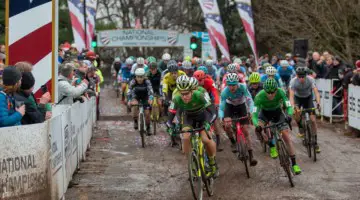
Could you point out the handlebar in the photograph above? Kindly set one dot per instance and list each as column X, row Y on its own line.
column 239, row 119
column 303, row 110
column 273, row 125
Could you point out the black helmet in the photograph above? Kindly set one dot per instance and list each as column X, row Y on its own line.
column 301, row 70
column 172, row 66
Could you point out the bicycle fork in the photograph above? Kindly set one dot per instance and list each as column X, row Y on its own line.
column 240, row 136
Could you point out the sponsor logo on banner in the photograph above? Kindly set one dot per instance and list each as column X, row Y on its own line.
column 104, row 37
column 172, row 37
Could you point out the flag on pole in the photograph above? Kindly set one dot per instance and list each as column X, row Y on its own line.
column 76, row 9
column 214, row 25
column 137, row 23
column 246, row 15
column 30, row 35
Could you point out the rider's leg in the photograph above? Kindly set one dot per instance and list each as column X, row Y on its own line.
column 123, row 89
column 210, row 147
column 218, row 130
column 135, row 113
column 147, row 120
column 245, row 130
column 229, row 130
column 286, row 137
column 186, row 141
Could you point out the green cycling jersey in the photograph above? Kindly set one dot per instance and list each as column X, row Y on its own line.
column 201, row 89
column 199, row 101
column 262, row 102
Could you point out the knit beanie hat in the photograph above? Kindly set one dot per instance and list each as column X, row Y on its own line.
column 27, row 81
column 11, row 75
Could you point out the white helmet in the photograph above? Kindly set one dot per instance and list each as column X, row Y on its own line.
column 140, row 72
column 166, row 56
column 117, row 59
column 238, row 61
column 270, row 71
column 288, row 55
column 140, row 61
column 187, row 65
column 284, row 63
column 129, row 61
column 209, row 63
column 231, row 68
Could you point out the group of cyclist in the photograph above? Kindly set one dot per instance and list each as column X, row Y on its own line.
column 198, row 94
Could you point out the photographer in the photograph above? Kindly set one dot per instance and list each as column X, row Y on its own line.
column 67, row 91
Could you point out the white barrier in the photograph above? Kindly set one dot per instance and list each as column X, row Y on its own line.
column 38, row 161
column 354, row 106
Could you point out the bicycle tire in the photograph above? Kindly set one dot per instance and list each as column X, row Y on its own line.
column 142, row 131
column 194, row 179
column 243, row 151
column 308, row 139
column 312, row 142
column 208, row 181
column 285, row 161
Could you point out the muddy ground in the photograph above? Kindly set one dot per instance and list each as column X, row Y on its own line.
column 117, row 168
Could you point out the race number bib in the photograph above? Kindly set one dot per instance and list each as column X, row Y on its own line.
column 287, row 103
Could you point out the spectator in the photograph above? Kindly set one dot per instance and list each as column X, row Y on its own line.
column 345, row 75
column 2, row 49
column 309, row 58
column 2, row 58
column 93, row 81
column 1, row 72
column 24, row 66
column 67, row 92
column 317, row 65
column 11, row 111
column 288, row 57
column 356, row 76
column 332, row 73
column 60, row 56
column 34, row 113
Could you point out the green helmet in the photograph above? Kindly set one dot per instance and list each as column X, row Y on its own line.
column 266, row 65
column 254, row 77
column 151, row 59
column 270, row 85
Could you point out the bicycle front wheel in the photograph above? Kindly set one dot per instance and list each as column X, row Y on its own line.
column 195, row 176
column 205, row 174
column 308, row 139
column 142, row 130
column 285, row 161
column 242, row 149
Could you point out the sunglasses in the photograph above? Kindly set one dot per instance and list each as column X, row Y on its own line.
column 140, row 77
column 271, row 92
column 301, row 76
column 185, row 93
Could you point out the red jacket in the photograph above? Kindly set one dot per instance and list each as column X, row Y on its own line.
column 209, row 86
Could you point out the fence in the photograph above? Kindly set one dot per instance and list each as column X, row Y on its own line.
column 354, row 106
column 37, row 161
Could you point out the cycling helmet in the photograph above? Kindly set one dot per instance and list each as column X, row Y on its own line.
column 172, row 66
column 187, row 65
column 153, row 65
column 187, row 58
column 271, row 71
column 232, row 79
column 270, row 85
column 266, row 65
column 129, row 61
column 231, row 68
column 117, row 59
column 198, row 61
column 238, row 61
column 301, row 71
column 193, row 83
column 140, row 72
column 203, row 68
column 166, row 56
column 254, row 78
column 199, row 75
column 151, row 59
column 183, row 83
column 209, row 63
column 140, row 61
column 284, row 63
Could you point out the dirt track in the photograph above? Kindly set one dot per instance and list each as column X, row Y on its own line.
column 118, row 168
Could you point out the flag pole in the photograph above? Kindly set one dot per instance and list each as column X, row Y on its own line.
column 85, row 25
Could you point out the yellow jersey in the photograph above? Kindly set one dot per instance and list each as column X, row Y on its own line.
column 169, row 83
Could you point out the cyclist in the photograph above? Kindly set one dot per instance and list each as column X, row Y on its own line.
column 211, row 69
column 169, row 81
column 154, row 76
column 163, row 64
column 239, row 67
column 151, row 59
column 286, row 72
column 140, row 63
column 236, row 101
column 232, row 69
column 188, row 68
column 116, row 66
column 255, row 85
column 301, row 95
column 268, row 108
column 125, row 76
column 272, row 73
column 197, row 112
column 220, row 74
column 140, row 90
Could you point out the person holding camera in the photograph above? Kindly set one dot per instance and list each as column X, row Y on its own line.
column 11, row 111
column 67, row 91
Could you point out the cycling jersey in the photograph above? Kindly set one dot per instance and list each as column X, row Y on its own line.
column 134, row 67
column 263, row 103
column 255, row 91
column 212, row 72
column 240, row 96
column 169, row 83
column 162, row 66
column 209, row 86
column 125, row 73
column 155, row 80
column 198, row 103
column 221, row 72
column 201, row 89
column 277, row 78
column 286, row 73
column 302, row 89
column 140, row 91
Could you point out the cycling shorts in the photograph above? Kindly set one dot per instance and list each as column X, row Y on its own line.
column 236, row 112
column 196, row 120
column 274, row 116
column 305, row 102
column 125, row 80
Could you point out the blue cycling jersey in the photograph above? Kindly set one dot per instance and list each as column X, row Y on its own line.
column 240, row 96
column 286, row 73
column 125, row 72
column 212, row 72
column 277, row 78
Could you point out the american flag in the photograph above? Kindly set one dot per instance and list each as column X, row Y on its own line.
column 246, row 15
column 76, row 8
column 208, row 4
column 215, row 28
column 30, row 39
